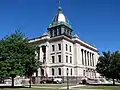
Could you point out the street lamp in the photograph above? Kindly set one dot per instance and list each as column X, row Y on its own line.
column 67, row 80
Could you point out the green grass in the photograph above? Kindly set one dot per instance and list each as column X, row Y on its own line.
column 38, row 87
column 26, row 89
column 101, row 87
column 57, row 86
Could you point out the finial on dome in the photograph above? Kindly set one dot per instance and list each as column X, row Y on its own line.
column 59, row 7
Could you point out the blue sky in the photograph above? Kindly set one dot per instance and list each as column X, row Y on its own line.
column 95, row 21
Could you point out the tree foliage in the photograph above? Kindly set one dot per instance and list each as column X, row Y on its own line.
column 17, row 56
column 109, row 65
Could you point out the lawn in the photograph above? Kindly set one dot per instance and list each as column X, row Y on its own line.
column 26, row 89
column 57, row 86
column 39, row 87
column 100, row 87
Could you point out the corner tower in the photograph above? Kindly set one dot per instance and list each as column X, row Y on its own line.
column 60, row 25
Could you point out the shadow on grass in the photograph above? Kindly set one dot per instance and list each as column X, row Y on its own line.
column 13, row 87
column 103, row 84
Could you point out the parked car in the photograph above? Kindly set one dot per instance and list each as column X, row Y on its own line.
column 57, row 80
column 53, row 80
column 43, row 81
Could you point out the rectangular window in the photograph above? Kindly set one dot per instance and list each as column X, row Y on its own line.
column 53, row 59
column 70, row 48
column 71, row 71
column 51, row 33
column 53, row 47
column 70, row 59
column 66, row 47
column 52, row 71
column 67, row 59
column 59, row 71
column 59, row 58
column 93, row 59
column 90, row 60
column 55, row 32
column 59, row 46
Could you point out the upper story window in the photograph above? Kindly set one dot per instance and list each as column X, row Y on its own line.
column 53, row 47
column 55, row 32
column 53, row 59
column 67, row 59
column 59, row 71
column 66, row 47
column 71, row 71
column 59, row 58
column 70, row 59
column 59, row 46
column 59, row 28
column 67, row 71
column 38, row 52
column 70, row 48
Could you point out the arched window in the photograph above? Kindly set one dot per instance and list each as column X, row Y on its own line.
column 52, row 71
column 59, row 71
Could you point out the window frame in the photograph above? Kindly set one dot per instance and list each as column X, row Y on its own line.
column 53, row 72
column 53, row 47
column 59, row 46
column 53, row 60
column 59, row 58
column 66, row 58
column 59, row 71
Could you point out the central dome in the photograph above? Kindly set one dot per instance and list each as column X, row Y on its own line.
column 60, row 17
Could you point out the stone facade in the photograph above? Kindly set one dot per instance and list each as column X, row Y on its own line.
column 60, row 52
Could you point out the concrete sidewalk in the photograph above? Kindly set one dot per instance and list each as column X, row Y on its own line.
column 72, row 86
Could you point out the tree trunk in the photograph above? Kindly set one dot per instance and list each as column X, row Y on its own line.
column 30, row 82
column 12, row 81
column 3, row 80
column 113, row 81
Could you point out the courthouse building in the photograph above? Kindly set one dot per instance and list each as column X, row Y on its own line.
column 60, row 52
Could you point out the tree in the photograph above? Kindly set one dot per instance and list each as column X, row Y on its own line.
column 108, row 65
column 17, row 56
column 31, row 63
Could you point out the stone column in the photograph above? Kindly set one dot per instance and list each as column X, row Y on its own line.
column 39, row 72
column 90, row 72
column 83, row 58
column 47, row 59
column 86, row 59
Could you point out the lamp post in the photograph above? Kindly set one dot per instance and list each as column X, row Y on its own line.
column 67, row 80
